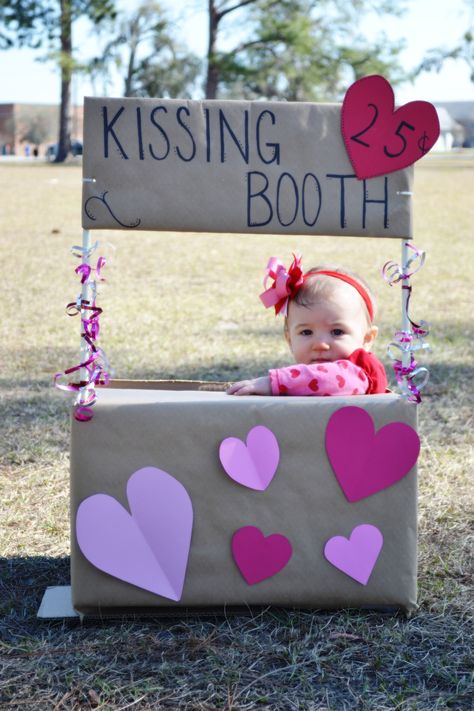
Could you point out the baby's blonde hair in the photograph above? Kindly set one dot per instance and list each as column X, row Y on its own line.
column 321, row 285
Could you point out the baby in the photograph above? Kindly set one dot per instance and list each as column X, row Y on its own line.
column 329, row 328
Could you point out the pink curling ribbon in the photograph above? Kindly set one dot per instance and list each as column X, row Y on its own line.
column 285, row 283
column 418, row 330
column 410, row 378
column 94, row 367
column 85, row 270
column 393, row 272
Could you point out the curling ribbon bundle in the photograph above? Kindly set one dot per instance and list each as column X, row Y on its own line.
column 410, row 377
column 93, row 370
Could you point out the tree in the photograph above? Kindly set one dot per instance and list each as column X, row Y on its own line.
column 35, row 127
column 464, row 50
column 154, row 64
column 34, row 23
column 170, row 74
column 296, row 49
column 216, row 13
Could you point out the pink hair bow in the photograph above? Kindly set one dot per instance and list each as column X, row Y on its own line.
column 285, row 283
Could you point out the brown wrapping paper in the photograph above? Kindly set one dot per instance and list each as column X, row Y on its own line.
column 232, row 166
column 180, row 432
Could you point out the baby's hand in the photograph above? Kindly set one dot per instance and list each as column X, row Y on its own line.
column 257, row 386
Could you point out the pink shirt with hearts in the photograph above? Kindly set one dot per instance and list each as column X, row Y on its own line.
column 340, row 377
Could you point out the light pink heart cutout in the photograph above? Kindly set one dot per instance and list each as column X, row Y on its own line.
column 356, row 556
column 252, row 464
column 147, row 547
column 259, row 557
column 379, row 138
column 364, row 461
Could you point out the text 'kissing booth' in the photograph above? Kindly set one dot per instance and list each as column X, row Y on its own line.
column 185, row 497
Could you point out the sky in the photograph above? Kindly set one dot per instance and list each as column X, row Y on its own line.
column 427, row 24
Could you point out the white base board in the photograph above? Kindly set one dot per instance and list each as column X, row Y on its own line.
column 57, row 603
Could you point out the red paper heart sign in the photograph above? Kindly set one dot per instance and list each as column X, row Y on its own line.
column 380, row 139
column 259, row 557
column 365, row 461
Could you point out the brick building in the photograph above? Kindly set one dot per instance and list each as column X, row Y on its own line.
column 24, row 127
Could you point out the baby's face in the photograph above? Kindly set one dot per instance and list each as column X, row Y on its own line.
column 331, row 329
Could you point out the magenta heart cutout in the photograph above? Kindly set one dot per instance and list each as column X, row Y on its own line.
column 147, row 547
column 364, row 461
column 380, row 139
column 356, row 556
column 259, row 557
column 252, row 464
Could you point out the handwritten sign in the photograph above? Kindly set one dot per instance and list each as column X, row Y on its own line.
column 380, row 139
column 232, row 166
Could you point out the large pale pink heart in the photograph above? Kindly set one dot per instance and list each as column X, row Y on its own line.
column 356, row 556
column 259, row 557
column 380, row 139
column 147, row 547
column 364, row 461
column 254, row 463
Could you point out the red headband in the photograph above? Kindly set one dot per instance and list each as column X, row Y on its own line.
column 286, row 284
column 353, row 282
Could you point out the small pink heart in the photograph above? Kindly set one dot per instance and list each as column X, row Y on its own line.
column 252, row 464
column 380, row 139
column 295, row 373
column 364, row 461
column 259, row 557
column 322, row 368
column 313, row 385
column 356, row 556
column 340, row 381
column 147, row 547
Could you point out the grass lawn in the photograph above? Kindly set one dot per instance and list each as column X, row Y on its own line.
column 186, row 306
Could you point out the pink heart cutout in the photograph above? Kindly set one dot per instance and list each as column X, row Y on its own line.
column 356, row 556
column 259, row 557
column 147, row 547
column 380, row 139
column 364, row 461
column 252, row 464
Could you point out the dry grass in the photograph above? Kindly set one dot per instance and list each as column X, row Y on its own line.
column 192, row 312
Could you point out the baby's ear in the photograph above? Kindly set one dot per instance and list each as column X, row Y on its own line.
column 370, row 337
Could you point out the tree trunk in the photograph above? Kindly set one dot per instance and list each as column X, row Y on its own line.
column 212, row 78
column 128, row 88
column 64, row 139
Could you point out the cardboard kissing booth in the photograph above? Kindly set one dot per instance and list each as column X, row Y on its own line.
column 184, row 497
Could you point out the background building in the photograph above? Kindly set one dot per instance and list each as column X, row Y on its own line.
column 462, row 116
column 29, row 129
